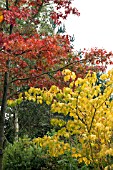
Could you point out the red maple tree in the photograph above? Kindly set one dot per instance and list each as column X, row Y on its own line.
column 23, row 58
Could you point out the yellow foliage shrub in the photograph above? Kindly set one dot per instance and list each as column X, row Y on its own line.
column 88, row 135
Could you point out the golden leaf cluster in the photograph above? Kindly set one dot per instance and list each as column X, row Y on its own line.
column 88, row 134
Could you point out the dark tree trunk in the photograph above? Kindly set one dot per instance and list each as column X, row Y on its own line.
column 2, row 116
column 4, row 100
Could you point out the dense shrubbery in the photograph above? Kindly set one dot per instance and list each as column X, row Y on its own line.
column 26, row 155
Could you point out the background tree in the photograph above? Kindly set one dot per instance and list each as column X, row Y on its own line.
column 33, row 121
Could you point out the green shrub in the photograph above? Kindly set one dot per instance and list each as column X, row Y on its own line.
column 25, row 155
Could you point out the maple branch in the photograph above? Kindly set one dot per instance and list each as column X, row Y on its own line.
column 23, row 52
column 54, row 78
column 22, row 79
column 48, row 72
column 17, row 91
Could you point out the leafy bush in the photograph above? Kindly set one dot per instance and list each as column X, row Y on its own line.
column 88, row 131
column 87, row 134
column 26, row 155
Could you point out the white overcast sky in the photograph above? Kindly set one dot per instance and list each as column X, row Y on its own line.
column 94, row 27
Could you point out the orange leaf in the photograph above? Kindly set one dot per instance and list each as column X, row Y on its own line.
column 1, row 16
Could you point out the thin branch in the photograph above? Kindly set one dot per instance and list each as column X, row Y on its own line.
column 22, row 79
column 48, row 72
column 52, row 77
column 23, row 52
column 98, row 108
column 17, row 91
column 92, row 120
column 79, row 118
